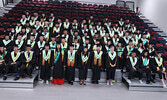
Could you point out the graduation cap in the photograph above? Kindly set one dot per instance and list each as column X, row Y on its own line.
column 58, row 42
column 41, row 35
column 47, row 44
column 27, row 21
column 130, row 40
column 140, row 41
column 53, row 35
column 87, row 38
column 33, row 35
column 159, row 51
column 63, row 37
column 20, row 34
column 33, row 27
column 15, row 45
column 98, row 45
column 28, row 45
column 45, row 28
column 23, row 27
column 71, row 45
column 145, row 50
column 111, row 45
column 86, row 46
column 75, row 38
column 7, row 34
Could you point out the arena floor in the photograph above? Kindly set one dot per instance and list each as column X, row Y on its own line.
column 76, row 92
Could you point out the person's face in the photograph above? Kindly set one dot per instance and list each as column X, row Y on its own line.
column 150, row 46
column 71, row 48
column 98, row 48
column 41, row 38
column 140, row 44
column 159, row 54
column 53, row 39
column 119, row 44
column 37, row 22
column 85, row 49
column 63, row 40
column 51, row 14
column 66, row 20
column 58, row 46
column 146, row 54
column 126, row 34
column 130, row 43
column 85, row 34
column 32, row 18
column 28, row 48
column 24, row 16
column 7, row 37
column 107, row 34
column 1, row 48
column 144, row 36
column 34, row 31
column 23, row 30
column 112, row 48
column 57, row 25
column 18, row 24
column 46, row 48
column 19, row 37
column 133, row 54
column 115, row 36
column 86, row 41
column 32, row 38
column 15, row 48
column 65, row 32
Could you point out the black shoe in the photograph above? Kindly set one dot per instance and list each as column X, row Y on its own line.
column 152, row 81
column 147, row 82
column 93, row 82
column 5, row 78
column 97, row 82
column 16, row 78
column 71, row 83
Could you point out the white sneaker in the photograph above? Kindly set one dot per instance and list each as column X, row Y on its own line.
column 42, row 81
column 111, row 84
column 141, row 82
column 47, row 82
column 108, row 84
column 129, row 81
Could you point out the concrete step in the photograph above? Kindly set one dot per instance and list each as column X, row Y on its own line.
column 25, row 83
column 136, row 86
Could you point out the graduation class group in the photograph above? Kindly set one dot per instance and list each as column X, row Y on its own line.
column 57, row 47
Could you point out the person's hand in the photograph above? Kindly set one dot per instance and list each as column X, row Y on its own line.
column 157, row 68
column 28, row 61
column 164, row 69
column 134, row 68
column 147, row 67
column 127, row 56
column 64, row 66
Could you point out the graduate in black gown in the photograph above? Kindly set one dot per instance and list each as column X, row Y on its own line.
column 3, row 57
column 28, row 60
column 158, row 64
column 46, row 61
column 14, row 63
column 145, row 65
column 71, row 64
column 133, row 67
column 84, row 64
column 111, row 64
column 58, row 66
column 7, row 42
column 97, row 64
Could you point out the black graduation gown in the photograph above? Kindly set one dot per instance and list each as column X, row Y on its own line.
column 8, row 46
column 5, row 58
column 30, row 66
column 46, row 67
column 155, row 65
column 58, row 70
column 70, row 70
column 132, row 72
column 144, row 68
column 110, row 71
column 96, row 68
column 13, row 67
column 83, row 66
